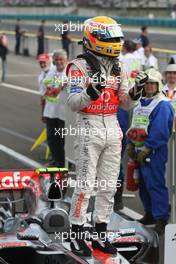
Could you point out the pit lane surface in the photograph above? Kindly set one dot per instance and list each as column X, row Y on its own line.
column 20, row 117
column 20, row 112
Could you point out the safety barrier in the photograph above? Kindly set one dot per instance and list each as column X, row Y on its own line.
column 130, row 21
column 51, row 43
column 29, row 42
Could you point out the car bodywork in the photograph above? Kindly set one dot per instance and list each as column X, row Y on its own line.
column 34, row 209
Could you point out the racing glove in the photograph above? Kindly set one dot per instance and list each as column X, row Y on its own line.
column 94, row 92
column 95, row 88
column 131, row 151
column 135, row 92
column 143, row 154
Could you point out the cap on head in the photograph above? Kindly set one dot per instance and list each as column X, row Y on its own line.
column 171, row 68
column 43, row 57
column 103, row 36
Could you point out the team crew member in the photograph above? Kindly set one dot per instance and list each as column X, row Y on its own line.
column 170, row 87
column 149, row 135
column 95, row 96
column 54, row 110
column 44, row 62
column 18, row 35
column 144, row 36
column 139, row 50
column 150, row 61
column 41, row 38
column 131, row 62
column 132, row 66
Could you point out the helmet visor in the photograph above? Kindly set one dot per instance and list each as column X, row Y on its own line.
column 105, row 32
column 108, row 33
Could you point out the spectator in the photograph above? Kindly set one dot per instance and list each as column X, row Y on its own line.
column 150, row 61
column 144, row 36
column 54, row 109
column 139, row 51
column 149, row 135
column 66, row 40
column 41, row 38
column 17, row 37
column 4, row 40
column 3, row 55
column 131, row 63
column 45, row 65
column 170, row 87
column 173, row 12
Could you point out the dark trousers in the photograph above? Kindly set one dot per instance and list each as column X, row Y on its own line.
column 56, row 140
column 65, row 46
column 17, row 45
column 40, row 49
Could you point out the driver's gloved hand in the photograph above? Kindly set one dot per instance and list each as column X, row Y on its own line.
column 94, row 92
column 95, row 87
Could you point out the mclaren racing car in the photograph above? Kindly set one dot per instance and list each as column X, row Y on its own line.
column 34, row 209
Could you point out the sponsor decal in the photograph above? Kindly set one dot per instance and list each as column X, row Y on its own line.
column 105, row 96
column 127, row 239
column 79, row 204
column 76, row 73
column 98, row 48
column 76, row 89
column 12, row 180
column 103, row 107
column 13, row 244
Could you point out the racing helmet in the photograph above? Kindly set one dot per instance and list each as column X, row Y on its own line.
column 103, row 35
column 155, row 76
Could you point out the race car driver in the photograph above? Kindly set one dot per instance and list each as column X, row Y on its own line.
column 97, row 85
column 149, row 135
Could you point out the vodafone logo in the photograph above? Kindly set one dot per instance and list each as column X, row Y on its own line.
column 15, row 180
column 105, row 96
